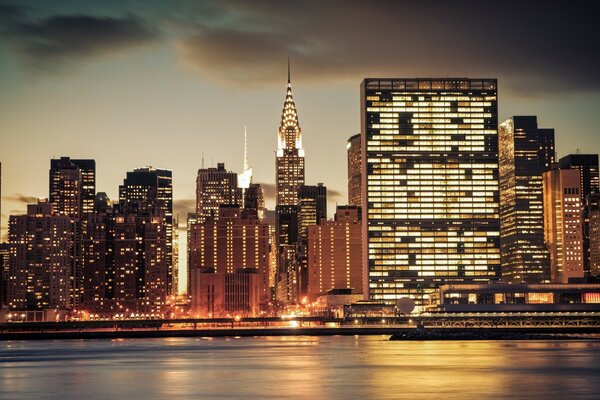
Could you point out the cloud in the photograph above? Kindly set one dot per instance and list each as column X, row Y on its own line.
column 52, row 41
column 538, row 46
column 21, row 198
column 182, row 207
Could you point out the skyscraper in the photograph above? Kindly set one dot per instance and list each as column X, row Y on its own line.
column 72, row 189
column 290, row 154
column 563, row 223
column 289, row 178
column 526, row 152
column 215, row 187
column 430, row 185
column 353, row 149
column 150, row 190
column 41, row 259
column 72, row 186
column 312, row 209
column 587, row 164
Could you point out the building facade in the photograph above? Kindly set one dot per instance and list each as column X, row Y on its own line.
column 41, row 259
column 430, row 185
column 228, row 242
column 225, row 294
column 563, row 223
column 587, row 164
column 353, row 149
column 289, row 177
column 149, row 191
column 593, row 213
column 335, row 253
column 312, row 210
column 216, row 187
column 525, row 153
column 125, row 266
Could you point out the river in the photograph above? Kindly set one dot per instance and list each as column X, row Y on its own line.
column 360, row 367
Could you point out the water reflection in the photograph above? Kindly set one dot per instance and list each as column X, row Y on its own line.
column 297, row 367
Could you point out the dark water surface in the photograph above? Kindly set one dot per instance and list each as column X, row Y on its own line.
column 366, row 367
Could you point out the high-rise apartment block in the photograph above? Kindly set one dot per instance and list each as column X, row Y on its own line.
column 125, row 261
column 335, row 253
column 526, row 152
column 430, row 185
column 353, row 148
column 563, row 223
column 72, row 186
column 41, row 259
column 150, row 191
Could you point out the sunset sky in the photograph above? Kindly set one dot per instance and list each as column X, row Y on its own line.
column 136, row 83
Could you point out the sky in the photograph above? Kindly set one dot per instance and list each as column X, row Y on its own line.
column 137, row 83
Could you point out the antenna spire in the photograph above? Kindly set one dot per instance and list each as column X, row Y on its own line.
column 202, row 159
column 289, row 80
column 245, row 149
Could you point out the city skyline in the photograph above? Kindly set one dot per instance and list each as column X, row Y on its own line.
column 132, row 76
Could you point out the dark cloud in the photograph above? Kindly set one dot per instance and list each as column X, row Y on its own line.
column 20, row 198
column 534, row 46
column 52, row 41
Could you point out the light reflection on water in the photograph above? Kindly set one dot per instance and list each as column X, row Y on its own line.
column 298, row 367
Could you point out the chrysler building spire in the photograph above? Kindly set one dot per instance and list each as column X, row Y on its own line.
column 290, row 154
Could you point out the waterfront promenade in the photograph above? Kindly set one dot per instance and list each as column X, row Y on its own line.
column 442, row 326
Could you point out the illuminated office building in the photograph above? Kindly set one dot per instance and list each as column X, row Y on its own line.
column 215, row 187
column 353, row 148
column 587, row 164
column 41, row 259
column 430, row 185
column 228, row 242
column 150, row 190
column 286, row 238
column 563, row 223
column 525, row 153
column 335, row 253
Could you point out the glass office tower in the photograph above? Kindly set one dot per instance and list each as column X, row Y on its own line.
column 430, row 185
column 526, row 152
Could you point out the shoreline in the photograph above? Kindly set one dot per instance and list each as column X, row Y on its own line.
column 395, row 333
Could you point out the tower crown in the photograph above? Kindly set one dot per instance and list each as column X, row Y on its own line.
column 289, row 129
